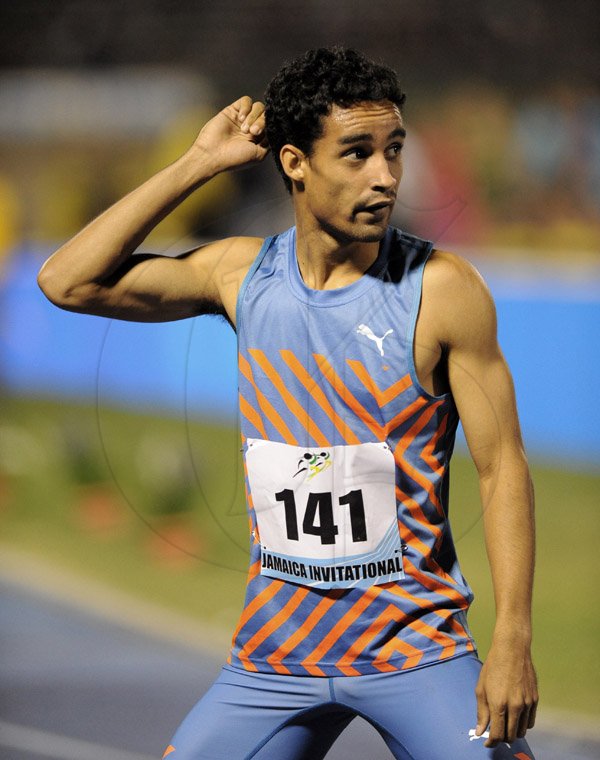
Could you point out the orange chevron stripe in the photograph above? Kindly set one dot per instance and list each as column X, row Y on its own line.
column 317, row 394
column 415, row 542
column 257, row 603
column 423, row 481
column 303, row 631
column 390, row 614
column 427, row 453
column 382, row 397
column 253, row 570
column 447, row 615
column 409, row 537
column 456, row 626
column 270, row 626
column 404, row 443
column 337, row 384
column 265, row 404
column 437, row 636
column 522, row 756
column 395, row 588
column 417, row 513
column 417, row 426
column 412, row 654
column 168, row 750
column 405, row 414
column 252, row 415
column 297, row 410
column 436, row 586
column 309, row 663
column 426, row 553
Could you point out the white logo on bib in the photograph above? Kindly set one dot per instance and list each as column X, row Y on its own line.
column 313, row 464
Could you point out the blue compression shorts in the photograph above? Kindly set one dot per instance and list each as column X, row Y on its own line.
column 426, row 713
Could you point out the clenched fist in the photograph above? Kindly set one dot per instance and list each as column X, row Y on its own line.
column 235, row 137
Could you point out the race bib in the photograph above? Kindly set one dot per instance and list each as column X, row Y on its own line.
column 326, row 517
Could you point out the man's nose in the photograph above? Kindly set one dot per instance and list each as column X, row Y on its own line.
column 383, row 179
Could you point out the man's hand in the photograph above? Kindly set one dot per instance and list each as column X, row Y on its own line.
column 235, row 137
column 506, row 693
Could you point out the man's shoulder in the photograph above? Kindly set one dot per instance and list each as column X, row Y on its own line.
column 227, row 254
column 249, row 247
column 446, row 269
column 240, row 245
column 455, row 295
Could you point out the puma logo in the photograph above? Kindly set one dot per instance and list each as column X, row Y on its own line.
column 473, row 735
column 485, row 735
column 368, row 333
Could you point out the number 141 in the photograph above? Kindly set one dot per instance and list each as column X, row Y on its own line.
column 323, row 503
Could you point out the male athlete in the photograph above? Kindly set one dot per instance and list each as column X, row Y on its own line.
column 360, row 347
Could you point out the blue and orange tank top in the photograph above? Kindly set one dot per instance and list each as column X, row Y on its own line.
column 346, row 458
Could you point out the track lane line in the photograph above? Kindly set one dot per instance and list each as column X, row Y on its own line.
column 47, row 744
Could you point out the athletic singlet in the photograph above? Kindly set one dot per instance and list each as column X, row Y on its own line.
column 352, row 564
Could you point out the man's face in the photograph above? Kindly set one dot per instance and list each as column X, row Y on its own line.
column 352, row 175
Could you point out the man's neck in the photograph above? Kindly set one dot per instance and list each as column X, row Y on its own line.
column 325, row 263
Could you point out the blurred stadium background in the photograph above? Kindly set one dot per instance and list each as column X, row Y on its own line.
column 118, row 442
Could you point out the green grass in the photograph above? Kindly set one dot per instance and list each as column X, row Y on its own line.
column 565, row 615
column 55, row 452
column 159, row 470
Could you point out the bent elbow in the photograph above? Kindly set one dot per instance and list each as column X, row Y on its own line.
column 47, row 283
column 51, row 286
column 62, row 294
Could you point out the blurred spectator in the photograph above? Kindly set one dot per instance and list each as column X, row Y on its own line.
column 481, row 168
column 557, row 140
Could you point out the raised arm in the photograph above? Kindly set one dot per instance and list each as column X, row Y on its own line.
column 483, row 390
column 95, row 271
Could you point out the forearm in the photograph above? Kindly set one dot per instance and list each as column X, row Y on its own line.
column 110, row 239
column 508, row 514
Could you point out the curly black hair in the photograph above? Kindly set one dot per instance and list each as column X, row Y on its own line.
column 305, row 89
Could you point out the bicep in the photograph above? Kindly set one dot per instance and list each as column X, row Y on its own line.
column 483, row 390
column 479, row 377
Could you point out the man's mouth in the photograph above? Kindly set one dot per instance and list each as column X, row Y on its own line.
column 376, row 207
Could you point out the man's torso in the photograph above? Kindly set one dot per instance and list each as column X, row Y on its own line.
column 329, row 375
